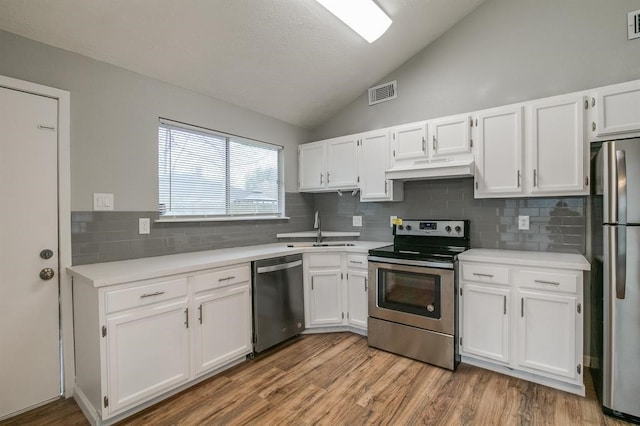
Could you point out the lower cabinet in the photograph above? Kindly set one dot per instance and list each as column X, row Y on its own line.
column 524, row 321
column 138, row 341
column 335, row 290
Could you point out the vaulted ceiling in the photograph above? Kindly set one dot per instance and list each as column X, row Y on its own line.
column 288, row 59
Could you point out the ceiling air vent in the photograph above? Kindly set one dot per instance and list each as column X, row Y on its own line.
column 634, row 24
column 383, row 92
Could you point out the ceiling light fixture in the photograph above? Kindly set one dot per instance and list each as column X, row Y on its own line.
column 363, row 16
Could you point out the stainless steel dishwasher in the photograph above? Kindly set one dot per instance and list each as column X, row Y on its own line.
column 278, row 300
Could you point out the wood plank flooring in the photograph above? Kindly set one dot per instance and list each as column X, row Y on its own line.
column 336, row 379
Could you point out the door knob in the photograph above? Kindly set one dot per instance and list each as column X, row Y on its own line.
column 46, row 254
column 47, row 274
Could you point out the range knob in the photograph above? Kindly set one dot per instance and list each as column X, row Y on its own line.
column 458, row 229
column 447, row 228
column 400, row 227
column 408, row 227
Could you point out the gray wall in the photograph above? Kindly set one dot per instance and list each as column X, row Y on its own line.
column 556, row 224
column 114, row 121
column 504, row 52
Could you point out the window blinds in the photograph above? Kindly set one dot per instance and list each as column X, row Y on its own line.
column 209, row 174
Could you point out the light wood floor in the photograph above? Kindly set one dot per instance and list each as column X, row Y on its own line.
column 336, row 379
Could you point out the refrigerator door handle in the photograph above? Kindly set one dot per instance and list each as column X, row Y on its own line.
column 621, row 182
column 621, row 231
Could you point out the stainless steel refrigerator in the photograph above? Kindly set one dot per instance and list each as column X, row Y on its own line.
column 615, row 291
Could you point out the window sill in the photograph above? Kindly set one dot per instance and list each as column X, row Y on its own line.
column 178, row 219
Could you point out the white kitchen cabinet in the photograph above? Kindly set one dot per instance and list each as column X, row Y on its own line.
column 485, row 321
column 140, row 341
column 409, row 141
column 375, row 159
column 336, row 287
column 616, row 108
column 222, row 326
column 147, row 353
column 328, row 165
column 450, row 136
column 499, row 155
column 357, row 291
column 523, row 318
column 557, row 162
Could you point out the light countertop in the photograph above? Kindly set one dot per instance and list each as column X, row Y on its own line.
column 111, row 273
column 527, row 258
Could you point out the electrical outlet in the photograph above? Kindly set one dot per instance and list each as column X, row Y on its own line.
column 391, row 219
column 144, row 225
column 102, row 202
column 523, row 223
column 357, row 220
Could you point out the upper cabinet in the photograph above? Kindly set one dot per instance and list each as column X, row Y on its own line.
column 375, row 159
column 450, row 135
column 499, row 156
column 328, row 165
column 616, row 110
column 410, row 141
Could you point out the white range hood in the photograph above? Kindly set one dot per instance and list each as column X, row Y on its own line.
column 440, row 168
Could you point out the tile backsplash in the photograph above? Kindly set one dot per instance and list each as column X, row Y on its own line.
column 556, row 224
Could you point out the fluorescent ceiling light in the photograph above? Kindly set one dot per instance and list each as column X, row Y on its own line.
column 363, row 16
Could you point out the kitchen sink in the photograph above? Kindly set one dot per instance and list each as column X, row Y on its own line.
column 330, row 244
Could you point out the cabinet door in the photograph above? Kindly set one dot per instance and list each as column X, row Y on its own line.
column 311, row 166
column 357, row 297
column 618, row 109
column 375, row 159
column 342, row 172
column 450, row 136
column 557, row 146
column 410, row 141
column 147, row 353
column 325, row 298
column 222, row 326
column 547, row 334
column 499, row 161
column 485, row 322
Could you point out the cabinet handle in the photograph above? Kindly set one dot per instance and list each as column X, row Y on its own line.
column 311, row 282
column 593, row 126
column 435, row 143
column 547, row 282
column 366, row 286
column 504, row 304
column 424, row 145
column 157, row 293
column 483, row 275
column 186, row 317
column 535, row 178
column 328, row 176
column 593, row 102
column 354, row 261
column 522, row 307
column 200, row 312
column 518, row 178
column 320, row 178
column 226, row 278
column 586, row 104
column 385, row 187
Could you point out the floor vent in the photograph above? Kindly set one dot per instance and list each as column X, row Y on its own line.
column 634, row 24
column 383, row 92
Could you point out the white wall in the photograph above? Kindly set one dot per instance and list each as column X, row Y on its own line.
column 114, row 121
column 504, row 52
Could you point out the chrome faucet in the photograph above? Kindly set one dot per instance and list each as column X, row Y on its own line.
column 316, row 225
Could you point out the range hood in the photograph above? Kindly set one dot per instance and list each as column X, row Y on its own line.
column 440, row 168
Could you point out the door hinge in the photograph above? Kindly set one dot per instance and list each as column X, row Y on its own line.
column 471, row 143
column 461, row 341
column 593, row 102
column 586, row 181
column 343, row 315
column 358, row 180
column 394, row 152
column 104, row 331
column 579, row 369
column 579, row 307
column 593, row 126
column 586, row 104
column 460, row 291
column 471, row 122
column 106, row 401
column 476, row 185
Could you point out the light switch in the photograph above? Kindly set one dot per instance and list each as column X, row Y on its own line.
column 102, row 201
column 357, row 220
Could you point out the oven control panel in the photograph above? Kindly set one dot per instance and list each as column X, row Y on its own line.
column 431, row 228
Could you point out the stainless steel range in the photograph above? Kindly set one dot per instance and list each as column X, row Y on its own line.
column 412, row 305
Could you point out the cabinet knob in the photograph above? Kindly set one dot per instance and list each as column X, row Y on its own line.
column 47, row 274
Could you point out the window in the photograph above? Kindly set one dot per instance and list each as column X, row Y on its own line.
column 206, row 174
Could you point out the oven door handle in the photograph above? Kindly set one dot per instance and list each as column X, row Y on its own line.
column 409, row 262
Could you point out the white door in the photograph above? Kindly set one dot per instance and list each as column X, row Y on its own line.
column 357, row 297
column 326, row 298
column 410, row 141
column 29, row 326
column 450, row 135
column 375, row 159
column 342, row 170
column 618, row 109
column 311, row 166
column 222, row 326
column 485, row 322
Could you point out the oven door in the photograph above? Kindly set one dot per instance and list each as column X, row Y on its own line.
column 419, row 296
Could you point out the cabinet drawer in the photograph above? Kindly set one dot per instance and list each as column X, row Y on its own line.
column 565, row 281
column 357, row 261
column 117, row 300
column 485, row 273
column 324, row 260
column 221, row 278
